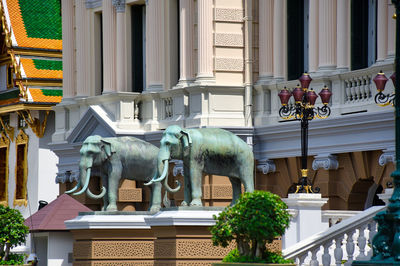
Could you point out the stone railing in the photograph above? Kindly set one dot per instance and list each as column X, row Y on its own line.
column 341, row 244
column 336, row 216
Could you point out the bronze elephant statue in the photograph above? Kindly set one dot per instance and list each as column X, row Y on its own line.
column 115, row 158
column 205, row 150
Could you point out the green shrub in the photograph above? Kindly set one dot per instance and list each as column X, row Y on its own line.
column 255, row 220
column 14, row 259
column 268, row 257
column 12, row 233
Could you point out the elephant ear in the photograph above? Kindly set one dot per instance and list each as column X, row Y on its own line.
column 108, row 148
column 186, row 139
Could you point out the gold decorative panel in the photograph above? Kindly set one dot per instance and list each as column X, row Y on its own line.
column 4, row 150
column 21, row 169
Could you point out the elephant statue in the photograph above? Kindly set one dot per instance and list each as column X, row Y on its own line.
column 116, row 158
column 205, row 150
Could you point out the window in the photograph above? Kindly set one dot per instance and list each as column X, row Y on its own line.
column 4, row 148
column 297, row 38
column 98, row 50
column 138, row 46
column 363, row 33
column 21, row 169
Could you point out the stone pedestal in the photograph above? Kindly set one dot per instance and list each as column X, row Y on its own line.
column 306, row 217
column 182, row 237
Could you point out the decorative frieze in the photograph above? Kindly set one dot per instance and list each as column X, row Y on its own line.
column 130, row 195
column 229, row 39
column 327, row 162
column 229, row 14
column 119, row 5
column 228, row 64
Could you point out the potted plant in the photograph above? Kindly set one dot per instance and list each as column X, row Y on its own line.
column 256, row 219
column 12, row 233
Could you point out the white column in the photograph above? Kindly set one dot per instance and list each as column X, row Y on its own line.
column 121, row 45
column 68, row 50
column 205, row 41
column 327, row 35
column 343, row 35
column 186, row 41
column 109, row 48
column 82, row 60
column 266, row 29
column 313, row 39
column 391, row 30
column 382, row 30
column 154, row 45
column 279, row 39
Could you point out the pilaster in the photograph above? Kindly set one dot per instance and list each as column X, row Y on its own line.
column 205, row 42
column 186, row 41
column 327, row 35
column 266, row 29
column 68, row 51
column 109, row 48
column 121, row 45
column 154, row 45
column 313, row 35
column 82, row 54
column 279, row 39
column 382, row 30
column 391, row 30
column 343, row 35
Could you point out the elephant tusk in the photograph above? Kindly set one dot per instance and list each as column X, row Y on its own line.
column 151, row 181
column 172, row 190
column 75, row 188
column 164, row 173
column 88, row 170
column 93, row 196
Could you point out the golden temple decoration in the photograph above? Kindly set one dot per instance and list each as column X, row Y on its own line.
column 4, row 150
column 34, row 123
column 21, row 169
column 9, row 130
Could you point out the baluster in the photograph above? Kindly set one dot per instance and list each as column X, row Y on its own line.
column 314, row 260
column 338, row 252
column 358, row 89
column 350, row 247
column 347, row 90
column 136, row 111
column 362, row 241
column 362, row 89
column 354, row 90
column 302, row 258
column 369, row 92
column 371, row 234
column 326, row 257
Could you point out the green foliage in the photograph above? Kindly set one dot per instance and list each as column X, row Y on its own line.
column 14, row 259
column 268, row 257
column 12, row 231
column 256, row 219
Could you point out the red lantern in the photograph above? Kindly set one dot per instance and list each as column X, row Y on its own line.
column 312, row 97
column 305, row 80
column 325, row 95
column 284, row 95
column 298, row 94
column 393, row 78
column 380, row 81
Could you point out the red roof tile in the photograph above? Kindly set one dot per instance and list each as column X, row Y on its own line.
column 52, row 216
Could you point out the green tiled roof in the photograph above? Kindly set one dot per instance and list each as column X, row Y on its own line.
column 42, row 18
column 52, row 92
column 47, row 64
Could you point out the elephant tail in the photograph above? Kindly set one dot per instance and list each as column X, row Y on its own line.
column 94, row 196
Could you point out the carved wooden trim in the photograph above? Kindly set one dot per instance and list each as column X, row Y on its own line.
column 5, row 143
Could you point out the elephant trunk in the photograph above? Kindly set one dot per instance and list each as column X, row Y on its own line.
column 85, row 171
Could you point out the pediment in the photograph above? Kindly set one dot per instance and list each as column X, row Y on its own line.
column 92, row 123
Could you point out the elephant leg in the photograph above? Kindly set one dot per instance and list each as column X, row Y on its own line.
column 247, row 177
column 187, row 198
column 114, row 176
column 196, row 175
column 236, row 189
column 155, row 198
column 104, row 182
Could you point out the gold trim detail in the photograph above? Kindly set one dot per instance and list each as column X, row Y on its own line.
column 34, row 123
column 304, row 172
column 9, row 130
column 20, row 51
column 5, row 143
column 22, row 139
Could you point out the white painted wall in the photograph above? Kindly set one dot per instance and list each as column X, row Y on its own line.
column 59, row 245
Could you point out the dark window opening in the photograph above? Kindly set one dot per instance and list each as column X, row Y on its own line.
column 137, row 22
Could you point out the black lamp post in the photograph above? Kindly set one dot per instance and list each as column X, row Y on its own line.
column 304, row 110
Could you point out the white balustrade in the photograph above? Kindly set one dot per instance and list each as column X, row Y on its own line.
column 341, row 244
